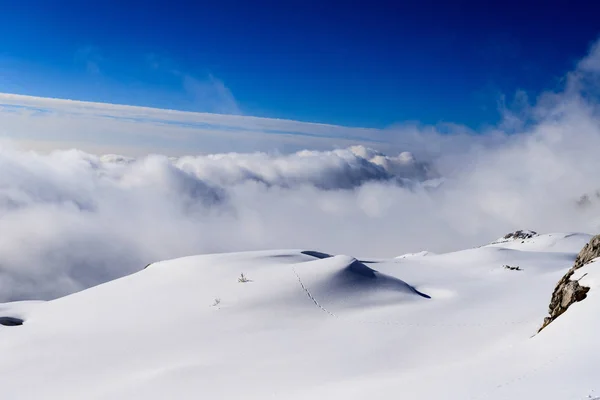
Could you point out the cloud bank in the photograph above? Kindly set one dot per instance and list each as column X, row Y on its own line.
column 71, row 219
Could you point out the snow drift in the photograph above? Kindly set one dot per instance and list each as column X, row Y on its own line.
column 315, row 327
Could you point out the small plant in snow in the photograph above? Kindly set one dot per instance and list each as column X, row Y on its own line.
column 216, row 302
column 243, row 279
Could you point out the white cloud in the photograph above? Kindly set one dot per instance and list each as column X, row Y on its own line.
column 591, row 62
column 71, row 220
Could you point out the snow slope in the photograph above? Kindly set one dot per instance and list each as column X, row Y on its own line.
column 308, row 326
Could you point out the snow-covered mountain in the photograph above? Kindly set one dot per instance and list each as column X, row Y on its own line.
column 306, row 325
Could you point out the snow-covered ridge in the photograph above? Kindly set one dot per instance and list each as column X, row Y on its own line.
column 423, row 253
column 306, row 324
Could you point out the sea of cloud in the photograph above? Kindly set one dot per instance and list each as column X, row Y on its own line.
column 70, row 220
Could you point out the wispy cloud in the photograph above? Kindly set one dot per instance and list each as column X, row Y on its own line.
column 221, row 127
column 138, row 130
column 210, row 94
column 205, row 91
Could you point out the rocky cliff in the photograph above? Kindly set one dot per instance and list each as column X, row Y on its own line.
column 569, row 291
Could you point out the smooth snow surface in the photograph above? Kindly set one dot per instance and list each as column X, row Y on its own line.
column 308, row 326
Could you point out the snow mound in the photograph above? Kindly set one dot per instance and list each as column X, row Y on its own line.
column 341, row 282
column 16, row 311
column 308, row 324
column 551, row 242
column 423, row 253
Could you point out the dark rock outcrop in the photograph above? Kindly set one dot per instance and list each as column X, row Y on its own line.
column 569, row 291
column 516, row 235
column 520, row 234
column 11, row 321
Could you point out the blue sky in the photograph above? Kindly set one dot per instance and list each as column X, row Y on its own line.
column 364, row 63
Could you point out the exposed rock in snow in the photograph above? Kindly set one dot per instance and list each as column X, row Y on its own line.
column 10, row 321
column 516, row 235
column 569, row 291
